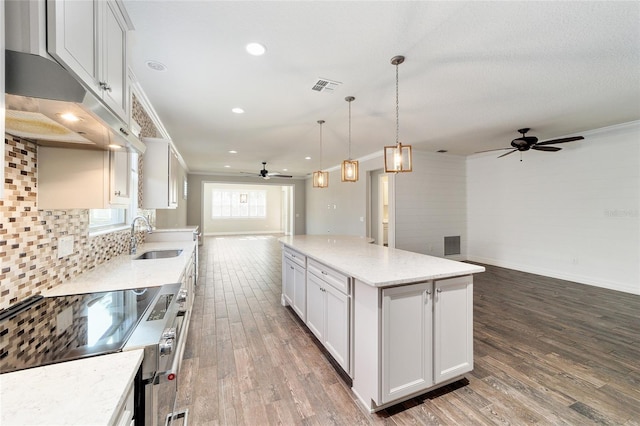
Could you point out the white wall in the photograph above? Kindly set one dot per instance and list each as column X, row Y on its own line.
column 431, row 204
column 338, row 208
column 571, row 214
column 272, row 223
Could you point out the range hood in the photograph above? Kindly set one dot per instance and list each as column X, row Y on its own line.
column 40, row 94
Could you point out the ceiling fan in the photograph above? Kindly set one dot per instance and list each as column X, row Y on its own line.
column 525, row 143
column 265, row 174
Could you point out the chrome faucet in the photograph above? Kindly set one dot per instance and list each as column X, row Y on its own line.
column 134, row 241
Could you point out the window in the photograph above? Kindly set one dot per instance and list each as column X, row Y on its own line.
column 238, row 204
column 105, row 218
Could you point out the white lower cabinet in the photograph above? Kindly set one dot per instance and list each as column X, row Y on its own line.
column 295, row 287
column 407, row 326
column 424, row 339
column 452, row 328
column 328, row 317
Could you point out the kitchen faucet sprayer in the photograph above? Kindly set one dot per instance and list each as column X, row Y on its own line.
column 134, row 242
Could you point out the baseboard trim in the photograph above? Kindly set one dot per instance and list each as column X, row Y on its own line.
column 580, row 279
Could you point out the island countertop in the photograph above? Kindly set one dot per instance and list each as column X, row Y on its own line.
column 376, row 265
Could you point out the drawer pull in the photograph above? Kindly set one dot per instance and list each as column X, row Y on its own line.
column 324, row 273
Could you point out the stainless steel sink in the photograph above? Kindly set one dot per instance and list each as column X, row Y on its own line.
column 159, row 254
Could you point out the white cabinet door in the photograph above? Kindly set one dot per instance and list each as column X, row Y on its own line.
column 120, row 177
column 406, row 340
column 89, row 38
column 113, row 76
column 336, row 334
column 315, row 306
column 453, row 327
column 72, row 38
column 288, row 280
column 159, row 179
column 299, row 291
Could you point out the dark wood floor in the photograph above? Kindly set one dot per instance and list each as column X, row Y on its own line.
column 547, row 352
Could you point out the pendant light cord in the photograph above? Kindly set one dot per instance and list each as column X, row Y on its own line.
column 349, row 130
column 321, row 122
column 397, row 109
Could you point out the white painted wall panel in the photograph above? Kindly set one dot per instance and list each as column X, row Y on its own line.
column 431, row 204
column 572, row 214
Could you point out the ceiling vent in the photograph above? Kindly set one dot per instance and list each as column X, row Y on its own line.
column 325, row 85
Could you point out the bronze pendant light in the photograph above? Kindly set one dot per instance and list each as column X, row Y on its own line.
column 349, row 166
column 320, row 178
column 397, row 158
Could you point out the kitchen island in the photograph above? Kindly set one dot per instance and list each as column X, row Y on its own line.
column 397, row 323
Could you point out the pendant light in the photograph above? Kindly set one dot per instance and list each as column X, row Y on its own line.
column 397, row 158
column 320, row 178
column 349, row 166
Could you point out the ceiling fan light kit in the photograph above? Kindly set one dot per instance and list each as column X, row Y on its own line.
column 350, row 167
column 320, row 178
column 397, row 158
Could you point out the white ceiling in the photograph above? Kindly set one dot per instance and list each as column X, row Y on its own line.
column 475, row 72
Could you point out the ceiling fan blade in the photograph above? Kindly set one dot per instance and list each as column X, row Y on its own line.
column 510, row 152
column 279, row 175
column 489, row 150
column 546, row 148
column 562, row 140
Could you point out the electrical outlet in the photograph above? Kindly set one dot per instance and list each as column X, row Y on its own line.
column 65, row 246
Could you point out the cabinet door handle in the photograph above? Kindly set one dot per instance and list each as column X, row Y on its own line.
column 324, row 273
column 105, row 86
column 117, row 193
column 124, row 131
column 439, row 290
column 291, row 267
column 428, row 292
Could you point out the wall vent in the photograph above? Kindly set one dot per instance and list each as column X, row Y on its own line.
column 451, row 245
column 325, row 85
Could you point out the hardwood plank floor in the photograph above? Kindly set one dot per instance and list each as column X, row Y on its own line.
column 547, row 352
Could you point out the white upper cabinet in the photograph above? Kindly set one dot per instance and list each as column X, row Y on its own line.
column 89, row 38
column 83, row 179
column 160, row 175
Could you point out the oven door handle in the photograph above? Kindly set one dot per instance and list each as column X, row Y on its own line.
column 179, row 350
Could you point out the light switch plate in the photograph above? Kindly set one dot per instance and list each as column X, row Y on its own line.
column 65, row 246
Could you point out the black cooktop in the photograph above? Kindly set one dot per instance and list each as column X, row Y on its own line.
column 47, row 330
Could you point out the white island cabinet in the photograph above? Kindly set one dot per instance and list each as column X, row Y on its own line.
column 398, row 323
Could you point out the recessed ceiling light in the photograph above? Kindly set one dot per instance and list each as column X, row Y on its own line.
column 255, row 49
column 237, row 110
column 156, row 66
column 285, row 170
column 227, row 166
column 233, row 152
column 307, row 158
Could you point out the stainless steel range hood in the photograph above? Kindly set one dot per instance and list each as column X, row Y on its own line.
column 39, row 95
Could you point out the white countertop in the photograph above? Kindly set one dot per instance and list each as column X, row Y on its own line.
column 124, row 272
column 376, row 265
column 91, row 391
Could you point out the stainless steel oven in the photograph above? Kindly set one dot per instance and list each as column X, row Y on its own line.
column 70, row 327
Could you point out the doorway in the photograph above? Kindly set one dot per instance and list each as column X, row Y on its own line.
column 242, row 208
column 381, row 225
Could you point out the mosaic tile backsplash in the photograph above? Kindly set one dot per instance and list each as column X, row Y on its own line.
column 29, row 237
